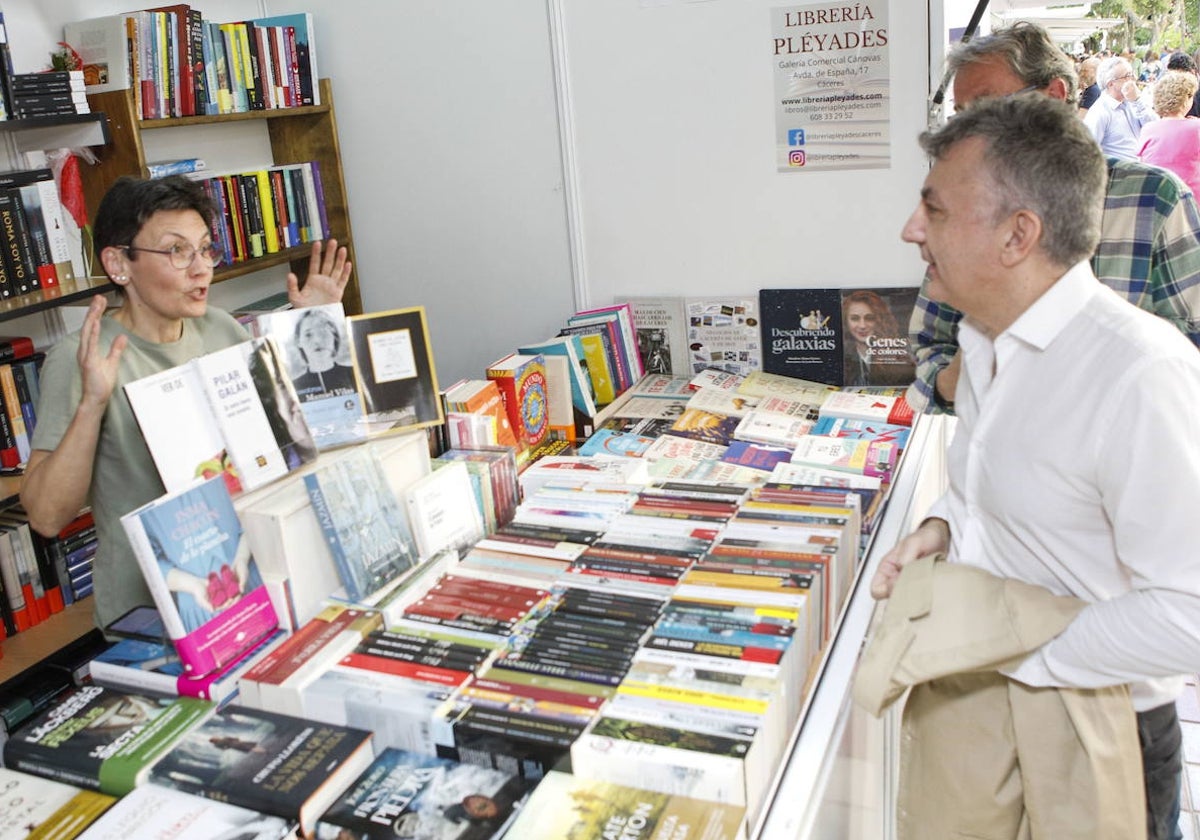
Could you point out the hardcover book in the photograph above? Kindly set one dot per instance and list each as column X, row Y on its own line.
column 160, row 812
column 522, row 382
column 102, row 739
column 393, row 363
column 281, row 765
column 565, row 805
column 443, row 511
column 404, row 794
column 314, row 344
column 363, row 522
column 202, row 575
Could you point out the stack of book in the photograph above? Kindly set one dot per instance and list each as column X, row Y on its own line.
column 34, row 252
column 48, row 94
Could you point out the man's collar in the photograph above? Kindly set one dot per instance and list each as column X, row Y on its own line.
column 1047, row 316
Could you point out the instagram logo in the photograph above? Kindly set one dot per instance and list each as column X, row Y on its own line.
column 796, row 157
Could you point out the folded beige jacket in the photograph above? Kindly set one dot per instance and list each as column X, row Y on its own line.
column 983, row 756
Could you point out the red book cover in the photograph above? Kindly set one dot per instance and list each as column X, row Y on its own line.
column 522, row 382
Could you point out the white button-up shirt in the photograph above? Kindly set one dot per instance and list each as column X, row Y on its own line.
column 1076, row 466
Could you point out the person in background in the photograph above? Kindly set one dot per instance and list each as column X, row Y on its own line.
column 1074, row 465
column 1089, row 91
column 1149, row 249
column 1173, row 142
column 1117, row 117
column 154, row 241
column 1151, row 68
column 1183, row 62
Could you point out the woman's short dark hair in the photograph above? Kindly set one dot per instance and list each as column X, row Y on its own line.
column 130, row 202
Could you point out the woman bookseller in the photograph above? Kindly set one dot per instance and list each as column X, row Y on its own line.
column 154, row 241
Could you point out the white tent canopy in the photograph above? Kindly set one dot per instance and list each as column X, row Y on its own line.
column 1066, row 24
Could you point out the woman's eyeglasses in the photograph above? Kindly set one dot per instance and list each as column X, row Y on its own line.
column 183, row 255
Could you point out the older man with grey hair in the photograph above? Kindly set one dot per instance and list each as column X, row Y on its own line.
column 1117, row 117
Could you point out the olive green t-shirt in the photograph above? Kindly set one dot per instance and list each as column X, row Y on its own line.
column 124, row 476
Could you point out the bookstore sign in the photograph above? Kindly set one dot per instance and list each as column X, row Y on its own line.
column 832, row 86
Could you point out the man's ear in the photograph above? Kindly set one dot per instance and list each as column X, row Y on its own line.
column 1057, row 89
column 1023, row 234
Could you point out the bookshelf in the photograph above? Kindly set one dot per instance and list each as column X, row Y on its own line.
column 296, row 135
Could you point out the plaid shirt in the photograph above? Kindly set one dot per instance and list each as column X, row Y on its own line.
column 1149, row 253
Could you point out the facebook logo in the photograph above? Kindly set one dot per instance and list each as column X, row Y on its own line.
column 795, row 136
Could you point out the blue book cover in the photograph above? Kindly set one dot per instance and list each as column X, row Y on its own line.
column 200, row 571
column 362, row 521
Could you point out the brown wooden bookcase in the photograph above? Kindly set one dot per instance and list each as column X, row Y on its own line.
column 296, row 135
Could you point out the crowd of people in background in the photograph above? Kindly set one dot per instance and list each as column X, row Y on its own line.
column 1140, row 108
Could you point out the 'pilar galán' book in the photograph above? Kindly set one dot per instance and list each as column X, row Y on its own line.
column 199, row 569
column 102, row 739
column 278, row 764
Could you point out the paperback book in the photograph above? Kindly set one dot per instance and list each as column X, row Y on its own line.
column 43, row 808
column 200, row 571
column 314, row 343
column 152, row 810
column 565, row 805
column 102, row 739
column 281, row 765
column 363, row 522
column 405, row 794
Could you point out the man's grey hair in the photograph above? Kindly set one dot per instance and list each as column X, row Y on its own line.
column 1110, row 69
column 1028, row 51
column 1040, row 158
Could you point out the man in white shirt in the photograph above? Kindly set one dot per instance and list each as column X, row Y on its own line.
column 1075, row 465
column 1117, row 117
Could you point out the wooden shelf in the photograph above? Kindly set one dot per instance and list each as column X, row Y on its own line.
column 27, row 649
column 297, row 135
column 39, row 301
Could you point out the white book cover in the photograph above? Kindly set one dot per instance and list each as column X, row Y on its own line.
column 772, row 429
column 180, row 429
column 257, row 411
column 442, row 510
column 49, row 808
column 718, row 401
column 675, row 447
column 792, row 473
column 759, row 383
column 150, row 810
column 103, row 46
column 858, row 405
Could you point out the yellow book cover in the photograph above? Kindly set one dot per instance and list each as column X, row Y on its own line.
column 598, row 368
column 267, row 200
